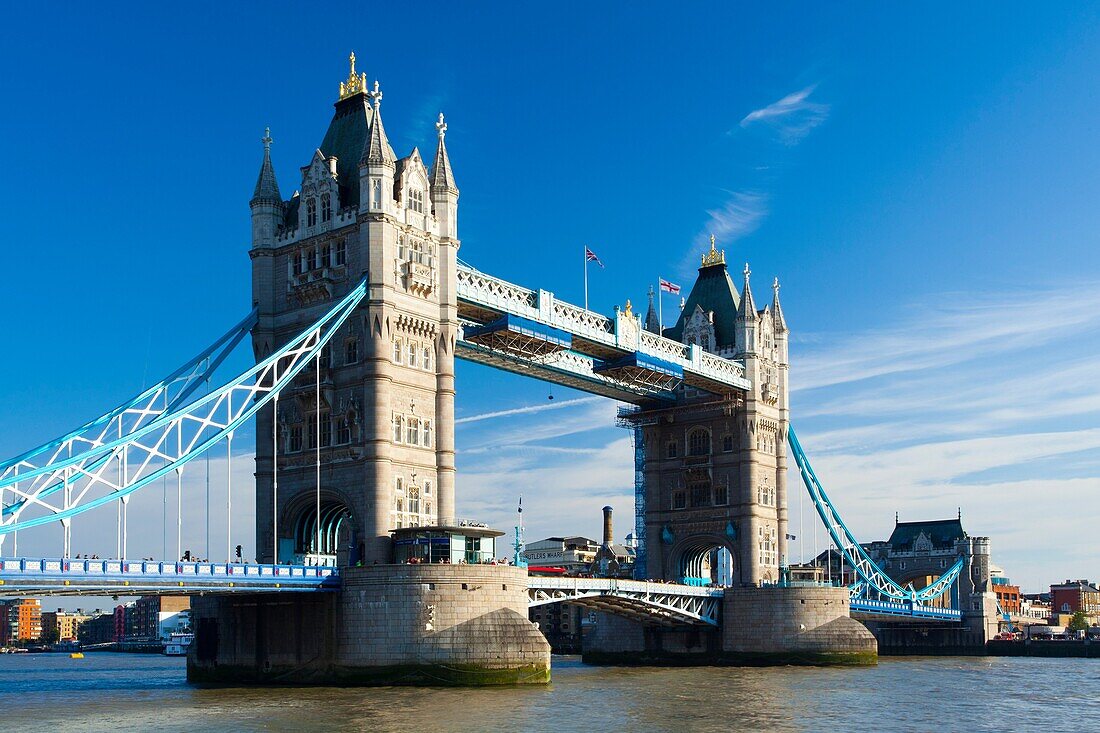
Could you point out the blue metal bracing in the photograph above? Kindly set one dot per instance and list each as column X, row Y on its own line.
column 167, row 394
column 110, row 469
column 641, row 571
column 872, row 580
column 61, row 576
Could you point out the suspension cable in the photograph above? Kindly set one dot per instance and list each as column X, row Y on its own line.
column 275, row 475
column 317, row 443
column 229, row 497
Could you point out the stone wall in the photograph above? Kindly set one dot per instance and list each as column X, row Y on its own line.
column 794, row 626
column 390, row 624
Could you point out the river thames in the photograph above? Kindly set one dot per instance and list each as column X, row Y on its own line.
column 124, row 692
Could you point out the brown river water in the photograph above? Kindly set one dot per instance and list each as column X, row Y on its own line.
column 129, row 692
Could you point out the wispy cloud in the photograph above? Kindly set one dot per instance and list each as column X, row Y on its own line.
column 739, row 216
column 986, row 401
column 790, row 118
column 530, row 409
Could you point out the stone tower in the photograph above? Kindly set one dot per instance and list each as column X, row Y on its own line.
column 385, row 425
column 714, row 466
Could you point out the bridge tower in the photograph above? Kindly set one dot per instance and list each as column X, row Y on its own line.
column 712, row 468
column 372, row 425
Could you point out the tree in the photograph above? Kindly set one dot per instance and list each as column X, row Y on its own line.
column 1078, row 622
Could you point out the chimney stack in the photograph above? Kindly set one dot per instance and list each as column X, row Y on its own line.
column 608, row 536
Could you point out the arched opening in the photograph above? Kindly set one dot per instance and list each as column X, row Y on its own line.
column 705, row 561
column 336, row 542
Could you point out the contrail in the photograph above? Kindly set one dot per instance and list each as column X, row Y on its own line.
column 529, row 409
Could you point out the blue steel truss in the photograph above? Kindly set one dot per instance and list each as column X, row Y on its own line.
column 155, row 442
column 872, row 580
column 167, row 394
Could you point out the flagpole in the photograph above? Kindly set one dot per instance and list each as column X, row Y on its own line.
column 584, row 248
column 661, row 305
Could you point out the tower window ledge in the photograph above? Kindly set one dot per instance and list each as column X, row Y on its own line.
column 418, row 278
column 321, row 275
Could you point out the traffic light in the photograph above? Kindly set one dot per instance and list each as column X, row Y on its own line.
column 238, row 552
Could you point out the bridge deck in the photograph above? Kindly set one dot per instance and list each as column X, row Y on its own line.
column 58, row 577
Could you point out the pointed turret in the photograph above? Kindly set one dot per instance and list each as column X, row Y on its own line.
column 267, row 203
column 777, row 310
column 377, row 150
column 747, row 318
column 747, row 311
column 652, row 321
column 442, row 179
column 377, row 162
column 444, row 192
column 267, row 188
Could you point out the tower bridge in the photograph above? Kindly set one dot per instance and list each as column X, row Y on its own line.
column 360, row 307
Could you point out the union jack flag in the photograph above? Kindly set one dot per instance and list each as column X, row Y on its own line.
column 670, row 287
column 590, row 256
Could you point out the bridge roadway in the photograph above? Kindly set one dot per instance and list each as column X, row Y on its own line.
column 58, row 577
column 667, row 604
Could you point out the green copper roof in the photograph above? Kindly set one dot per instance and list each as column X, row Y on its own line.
column 345, row 138
column 713, row 291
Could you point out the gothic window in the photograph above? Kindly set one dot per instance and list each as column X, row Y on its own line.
column 351, row 351
column 398, row 428
column 343, row 431
column 679, row 500
column 427, row 488
column 326, row 255
column 398, row 485
column 295, row 438
column 412, row 431
column 311, row 433
column 311, row 212
column 341, row 253
column 721, row 495
column 426, row 434
column 397, row 345
column 326, row 207
column 414, row 500
column 416, row 200
column 326, row 430
column 704, row 341
column 326, row 355
column 401, row 248
column 412, row 354
column 296, row 263
column 699, row 442
column 768, row 546
column 727, row 443
column 428, row 358
column 700, row 494
column 314, row 259
column 673, row 449
column 376, row 193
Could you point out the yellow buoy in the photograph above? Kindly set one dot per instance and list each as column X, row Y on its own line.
column 76, row 655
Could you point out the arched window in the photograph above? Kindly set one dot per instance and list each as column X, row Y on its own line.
column 428, row 358
column 311, row 211
column 699, row 442
column 416, row 200
column 412, row 433
column 426, row 435
column 326, row 207
column 398, row 432
column 397, row 351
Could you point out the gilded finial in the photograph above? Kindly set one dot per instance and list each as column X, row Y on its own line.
column 441, row 126
column 714, row 257
column 355, row 83
column 629, row 308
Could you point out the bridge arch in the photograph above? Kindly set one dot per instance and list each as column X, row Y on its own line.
column 704, row 559
column 339, row 534
column 923, row 577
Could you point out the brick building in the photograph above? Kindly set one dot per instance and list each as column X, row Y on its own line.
column 20, row 621
column 1075, row 595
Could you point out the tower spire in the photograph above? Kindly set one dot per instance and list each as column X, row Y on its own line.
column 355, row 84
column 441, row 178
column 652, row 321
column 267, row 188
column 377, row 149
column 777, row 309
column 748, row 306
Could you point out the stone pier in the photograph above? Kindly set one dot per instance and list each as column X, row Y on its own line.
column 760, row 626
column 389, row 625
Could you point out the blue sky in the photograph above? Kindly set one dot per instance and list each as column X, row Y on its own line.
column 923, row 182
